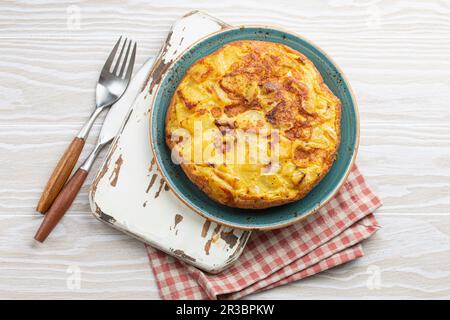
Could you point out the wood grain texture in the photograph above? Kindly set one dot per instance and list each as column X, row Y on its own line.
column 395, row 55
column 60, row 174
column 61, row 204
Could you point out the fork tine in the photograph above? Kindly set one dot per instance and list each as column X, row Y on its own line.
column 125, row 59
column 131, row 63
column 116, row 67
column 111, row 56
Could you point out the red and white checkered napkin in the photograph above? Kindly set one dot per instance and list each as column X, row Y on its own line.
column 323, row 240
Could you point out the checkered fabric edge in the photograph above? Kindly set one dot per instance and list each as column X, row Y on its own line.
column 325, row 239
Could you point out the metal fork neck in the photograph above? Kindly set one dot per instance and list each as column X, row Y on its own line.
column 83, row 133
column 87, row 164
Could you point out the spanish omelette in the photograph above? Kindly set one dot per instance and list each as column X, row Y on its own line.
column 272, row 98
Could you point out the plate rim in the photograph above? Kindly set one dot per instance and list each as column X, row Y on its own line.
column 295, row 219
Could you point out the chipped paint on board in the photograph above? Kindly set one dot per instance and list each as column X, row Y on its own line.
column 161, row 186
column 205, row 228
column 212, row 239
column 151, row 183
column 183, row 255
column 178, row 219
column 103, row 169
column 115, row 173
column 138, row 204
column 152, row 163
column 229, row 237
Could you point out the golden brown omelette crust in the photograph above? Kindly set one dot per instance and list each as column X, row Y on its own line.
column 249, row 86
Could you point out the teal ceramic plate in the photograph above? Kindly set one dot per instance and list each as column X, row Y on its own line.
column 275, row 217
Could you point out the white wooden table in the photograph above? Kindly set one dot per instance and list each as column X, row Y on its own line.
column 395, row 54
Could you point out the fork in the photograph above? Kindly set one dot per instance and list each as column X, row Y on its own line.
column 110, row 87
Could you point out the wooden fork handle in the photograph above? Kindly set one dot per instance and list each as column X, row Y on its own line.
column 60, row 174
column 61, row 204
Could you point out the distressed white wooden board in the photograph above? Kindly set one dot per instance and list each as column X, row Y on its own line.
column 398, row 68
column 130, row 194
